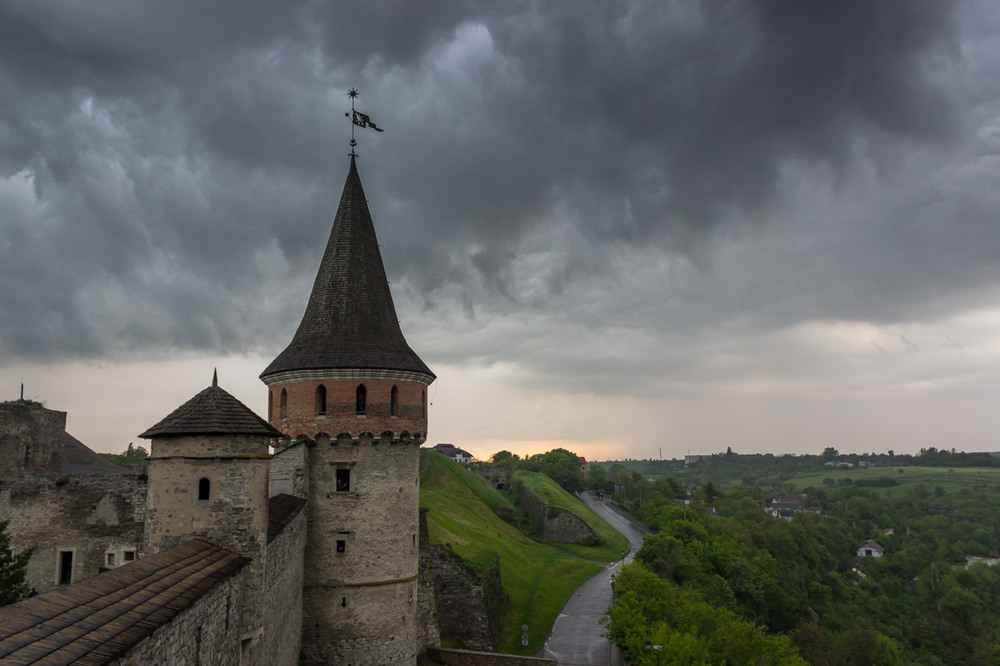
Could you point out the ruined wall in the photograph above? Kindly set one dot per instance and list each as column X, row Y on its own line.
column 204, row 633
column 428, row 634
column 282, row 600
column 89, row 516
column 470, row 607
column 30, row 438
column 555, row 524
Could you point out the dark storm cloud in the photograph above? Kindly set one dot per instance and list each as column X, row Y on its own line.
column 172, row 168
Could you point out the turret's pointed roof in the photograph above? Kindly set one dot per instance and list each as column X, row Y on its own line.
column 212, row 412
column 350, row 321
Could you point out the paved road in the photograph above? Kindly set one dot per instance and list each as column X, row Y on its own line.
column 576, row 638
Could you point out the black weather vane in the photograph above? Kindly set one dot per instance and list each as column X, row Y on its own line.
column 359, row 119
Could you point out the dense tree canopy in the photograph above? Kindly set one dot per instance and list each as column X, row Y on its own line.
column 794, row 590
column 560, row 465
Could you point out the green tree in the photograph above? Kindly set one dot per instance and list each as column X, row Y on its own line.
column 134, row 451
column 598, row 478
column 560, row 465
column 830, row 453
column 504, row 458
column 12, row 569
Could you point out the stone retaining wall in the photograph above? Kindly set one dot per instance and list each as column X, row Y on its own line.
column 470, row 607
column 555, row 524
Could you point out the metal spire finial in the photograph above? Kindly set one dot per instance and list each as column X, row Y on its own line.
column 353, row 94
column 359, row 119
column 215, row 378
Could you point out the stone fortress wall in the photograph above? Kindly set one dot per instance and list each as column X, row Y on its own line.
column 90, row 517
column 282, row 602
column 201, row 634
column 30, row 438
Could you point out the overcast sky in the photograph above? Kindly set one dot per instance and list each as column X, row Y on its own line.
column 625, row 228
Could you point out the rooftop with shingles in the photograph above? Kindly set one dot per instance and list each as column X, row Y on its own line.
column 99, row 619
column 212, row 412
column 350, row 321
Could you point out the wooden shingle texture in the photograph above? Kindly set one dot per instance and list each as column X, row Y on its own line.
column 350, row 321
column 99, row 619
column 212, row 412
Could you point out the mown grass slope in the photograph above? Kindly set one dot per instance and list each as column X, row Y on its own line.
column 538, row 578
column 552, row 494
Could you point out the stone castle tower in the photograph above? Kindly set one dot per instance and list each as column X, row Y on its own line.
column 351, row 390
column 208, row 478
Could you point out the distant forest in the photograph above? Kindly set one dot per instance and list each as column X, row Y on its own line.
column 770, row 469
column 722, row 579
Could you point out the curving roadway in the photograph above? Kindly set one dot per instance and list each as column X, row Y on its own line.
column 577, row 637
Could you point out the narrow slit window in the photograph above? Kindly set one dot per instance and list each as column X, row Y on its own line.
column 423, row 404
column 284, row 403
column 394, row 401
column 270, row 405
column 204, row 490
column 360, row 399
column 341, row 546
column 320, row 400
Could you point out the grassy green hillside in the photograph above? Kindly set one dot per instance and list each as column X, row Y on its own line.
column 538, row 578
column 552, row 494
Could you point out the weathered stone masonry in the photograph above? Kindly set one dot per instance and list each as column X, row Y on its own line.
column 555, row 523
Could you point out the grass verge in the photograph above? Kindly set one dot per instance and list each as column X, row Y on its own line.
column 551, row 493
column 537, row 578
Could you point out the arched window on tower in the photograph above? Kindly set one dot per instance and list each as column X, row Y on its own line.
column 423, row 404
column 394, row 401
column 270, row 405
column 320, row 400
column 284, row 403
column 204, row 489
column 359, row 400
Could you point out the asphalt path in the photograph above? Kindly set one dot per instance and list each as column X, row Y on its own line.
column 577, row 636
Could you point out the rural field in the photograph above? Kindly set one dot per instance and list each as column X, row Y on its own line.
column 953, row 480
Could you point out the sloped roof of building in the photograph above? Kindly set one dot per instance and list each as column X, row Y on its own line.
column 872, row 545
column 212, row 412
column 281, row 509
column 451, row 450
column 78, row 458
column 783, row 498
column 350, row 321
column 101, row 618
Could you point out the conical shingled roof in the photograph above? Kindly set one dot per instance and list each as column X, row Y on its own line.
column 350, row 321
column 212, row 412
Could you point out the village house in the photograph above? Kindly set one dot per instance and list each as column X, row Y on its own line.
column 460, row 456
column 870, row 549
